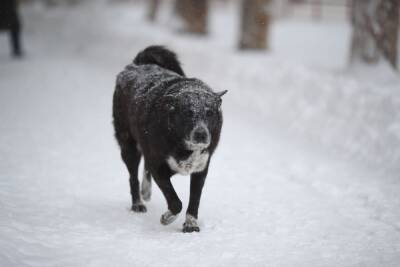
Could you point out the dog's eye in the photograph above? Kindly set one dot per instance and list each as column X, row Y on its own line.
column 170, row 108
column 189, row 113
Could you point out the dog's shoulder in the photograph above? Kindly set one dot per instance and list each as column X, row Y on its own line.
column 139, row 79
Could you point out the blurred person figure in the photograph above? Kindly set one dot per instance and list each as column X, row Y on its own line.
column 9, row 21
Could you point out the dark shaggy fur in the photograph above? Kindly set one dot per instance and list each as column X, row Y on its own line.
column 172, row 121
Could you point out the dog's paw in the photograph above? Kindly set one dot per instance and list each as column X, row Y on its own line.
column 139, row 207
column 190, row 224
column 146, row 187
column 168, row 217
column 190, row 229
column 146, row 194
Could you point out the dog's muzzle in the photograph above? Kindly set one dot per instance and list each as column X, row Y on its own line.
column 199, row 137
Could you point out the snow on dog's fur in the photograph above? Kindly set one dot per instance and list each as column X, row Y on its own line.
column 174, row 122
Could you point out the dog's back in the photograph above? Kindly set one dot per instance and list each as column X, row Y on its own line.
column 152, row 71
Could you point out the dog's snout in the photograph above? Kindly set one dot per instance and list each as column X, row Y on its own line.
column 200, row 135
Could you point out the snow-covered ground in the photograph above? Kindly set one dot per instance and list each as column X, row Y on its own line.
column 307, row 172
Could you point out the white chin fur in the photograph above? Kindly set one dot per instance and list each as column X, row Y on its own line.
column 195, row 146
column 196, row 162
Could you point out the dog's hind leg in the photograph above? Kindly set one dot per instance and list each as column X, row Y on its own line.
column 146, row 184
column 131, row 156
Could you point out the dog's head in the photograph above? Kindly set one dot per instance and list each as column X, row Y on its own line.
column 193, row 117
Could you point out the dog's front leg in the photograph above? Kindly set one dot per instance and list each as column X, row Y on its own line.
column 196, row 186
column 162, row 177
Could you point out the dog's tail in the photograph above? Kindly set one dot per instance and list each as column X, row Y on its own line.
column 160, row 56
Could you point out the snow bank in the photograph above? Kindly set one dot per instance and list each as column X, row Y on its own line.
column 353, row 116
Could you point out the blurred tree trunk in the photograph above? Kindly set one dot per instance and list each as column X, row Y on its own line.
column 153, row 8
column 316, row 9
column 255, row 24
column 375, row 31
column 194, row 14
column 52, row 3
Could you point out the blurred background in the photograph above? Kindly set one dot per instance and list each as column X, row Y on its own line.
column 307, row 171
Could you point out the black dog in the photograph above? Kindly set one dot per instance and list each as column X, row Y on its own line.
column 173, row 121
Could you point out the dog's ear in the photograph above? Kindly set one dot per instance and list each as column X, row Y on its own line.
column 220, row 94
column 167, row 103
column 170, row 107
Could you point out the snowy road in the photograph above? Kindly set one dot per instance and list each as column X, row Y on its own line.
column 271, row 198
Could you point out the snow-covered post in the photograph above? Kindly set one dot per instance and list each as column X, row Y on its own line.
column 194, row 15
column 255, row 21
column 375, row 31
column 153, row 8
column 316, row 9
